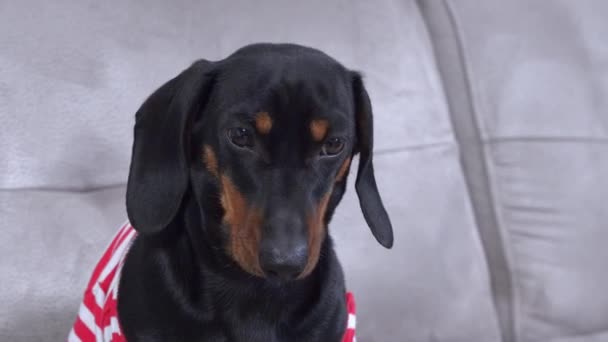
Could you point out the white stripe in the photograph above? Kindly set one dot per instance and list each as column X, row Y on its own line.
column 72, row 337
column 100, row 296
column 123, row 230
column 107, row 334
column 116, row 281
column 115, row 325
column 118, row 254
column 355, row 339
column 352, row 321
column 113, row 328
column 99, row 336
column 87, row 318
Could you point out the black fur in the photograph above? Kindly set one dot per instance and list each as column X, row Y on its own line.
column 179, row 283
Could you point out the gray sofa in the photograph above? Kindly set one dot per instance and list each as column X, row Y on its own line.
column 492, row 153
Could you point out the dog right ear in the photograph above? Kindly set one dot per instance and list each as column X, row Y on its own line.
column 369, row 197
column 159, row 172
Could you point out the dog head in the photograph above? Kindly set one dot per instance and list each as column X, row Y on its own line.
column 270, row 133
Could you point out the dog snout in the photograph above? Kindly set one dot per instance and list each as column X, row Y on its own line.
column 284, row 247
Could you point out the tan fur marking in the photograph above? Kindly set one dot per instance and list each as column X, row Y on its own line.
column 343, row 170
column 318, row 129
column 210, row 160
column 263, row 122
column 244, row 225
column 316, row 234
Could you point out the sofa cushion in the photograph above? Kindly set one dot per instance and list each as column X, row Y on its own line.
column 433, row 285
column 49, row 242
column 527, row 86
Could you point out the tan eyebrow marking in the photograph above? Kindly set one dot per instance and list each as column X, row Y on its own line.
column 318, row 129
column 263, row 122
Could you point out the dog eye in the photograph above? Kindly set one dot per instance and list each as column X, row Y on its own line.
column 241, row 137
column 332, row 146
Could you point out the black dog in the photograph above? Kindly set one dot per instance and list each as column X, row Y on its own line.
column 237, row 168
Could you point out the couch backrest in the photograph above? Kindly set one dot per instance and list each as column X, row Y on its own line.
column 527, row 84
column 74, row 73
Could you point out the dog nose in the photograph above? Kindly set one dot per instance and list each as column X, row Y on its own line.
column 283, row 262
column 283, row 249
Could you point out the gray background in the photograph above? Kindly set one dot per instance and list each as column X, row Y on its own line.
column 491, row 153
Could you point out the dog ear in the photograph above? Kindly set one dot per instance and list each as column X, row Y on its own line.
column 369, row 198
column 159, row 172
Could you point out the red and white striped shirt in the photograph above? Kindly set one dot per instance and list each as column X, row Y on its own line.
column 97, row 319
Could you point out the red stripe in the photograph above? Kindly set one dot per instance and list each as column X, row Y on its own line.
column 105, row 284
column 107, row 255
column 91, row 304
column 349, row 335
column 81, row 330
column 102, row 314
column 124, row 232
column 350, row 303
column 118, row 338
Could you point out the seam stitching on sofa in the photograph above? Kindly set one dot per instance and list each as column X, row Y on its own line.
column 547, row 139
column 66, row 189
column 485, row 159
column 424, row 146
column 509, row 330
column 379, row 152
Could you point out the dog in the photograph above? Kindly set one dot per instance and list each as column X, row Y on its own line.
column 237, row 167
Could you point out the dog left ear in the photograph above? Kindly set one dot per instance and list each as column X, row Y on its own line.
column 159, row 173
column 369, row 198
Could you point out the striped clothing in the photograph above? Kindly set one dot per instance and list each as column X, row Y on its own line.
column 97, row 319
